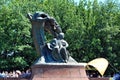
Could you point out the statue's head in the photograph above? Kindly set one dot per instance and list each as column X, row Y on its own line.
column 61, row 35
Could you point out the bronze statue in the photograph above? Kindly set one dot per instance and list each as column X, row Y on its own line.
column 58, row 47
column 55, row 51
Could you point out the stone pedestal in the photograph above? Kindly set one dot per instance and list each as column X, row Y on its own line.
column 59, row 71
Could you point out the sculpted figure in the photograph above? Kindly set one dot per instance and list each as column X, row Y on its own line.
column 58, row 47
column 55, row 51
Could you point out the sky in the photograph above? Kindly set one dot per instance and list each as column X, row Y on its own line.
column 91, row 0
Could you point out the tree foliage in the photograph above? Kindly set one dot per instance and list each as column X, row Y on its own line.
column 91, row 28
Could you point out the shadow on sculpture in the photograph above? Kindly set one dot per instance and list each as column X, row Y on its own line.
column 54, row 51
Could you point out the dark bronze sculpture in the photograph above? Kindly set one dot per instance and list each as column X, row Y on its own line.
column 54, row 51
column 58, row 47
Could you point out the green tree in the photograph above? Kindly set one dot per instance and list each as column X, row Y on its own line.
column 92, row 29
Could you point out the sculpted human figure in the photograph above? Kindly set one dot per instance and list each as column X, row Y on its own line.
column 58, row 46
column 55, row 51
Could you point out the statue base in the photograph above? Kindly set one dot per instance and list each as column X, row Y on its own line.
column 59, row 71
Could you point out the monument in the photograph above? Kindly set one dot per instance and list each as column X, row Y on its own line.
column 54, row 62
